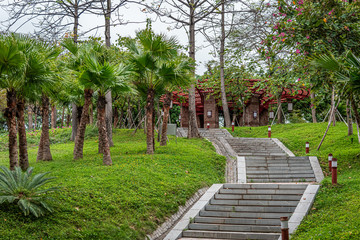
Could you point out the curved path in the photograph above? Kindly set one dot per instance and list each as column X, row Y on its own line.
column 265, row 181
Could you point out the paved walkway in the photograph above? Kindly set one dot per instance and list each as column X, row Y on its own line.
column 265, row 181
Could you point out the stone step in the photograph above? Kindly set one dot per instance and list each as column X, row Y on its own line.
column 278, row 168
column 234, row 228
column 279, row 158
column 238, row 221
column 290, row 203
column 257, row 197
column 261, row 209
column 265, row 186
column 258, row 215
column 230, row 235
column 274, row 172
column 261, row 191
column 270, row 176
column 281, row 180
column 250, row 164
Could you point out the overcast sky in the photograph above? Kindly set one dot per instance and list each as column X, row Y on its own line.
column 133, row 13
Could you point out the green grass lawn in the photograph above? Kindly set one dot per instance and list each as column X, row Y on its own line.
column 336, row 211
column 125, row 201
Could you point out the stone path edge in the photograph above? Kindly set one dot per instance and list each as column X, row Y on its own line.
column 176, row 232
column 303, row 207
column 319, row 175
column 160, row 231
column 282, row 146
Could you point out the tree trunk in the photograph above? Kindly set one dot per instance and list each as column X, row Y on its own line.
column 149, row 122
column 279, row 116
column 44, row 153
column 167, row 102
column 62, row 117
column 10, row 114
column 100, row 140
column 222, row 63
column 193, row 131
column 80, row 135
column 313, row 109
column 158, row 117
column 30, row 118
column 116, row 116
column 35, row 117
column 108, row 114
column 23, row 153
column 74, row 114
column 76, row 20
column 91, row 114
column 357, row 117
column 348, row 118
column 102, row 131
column 68, row 118
column 333, row 119
column 53, row 116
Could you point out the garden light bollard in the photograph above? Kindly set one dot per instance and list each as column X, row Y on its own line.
column 330, row 158
column 232, row 126
column 307, row 147
column 269, row 131
column 208, row 126
column 284, row 228
column 334, row 171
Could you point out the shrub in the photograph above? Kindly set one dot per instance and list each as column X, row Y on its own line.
column 18, row 187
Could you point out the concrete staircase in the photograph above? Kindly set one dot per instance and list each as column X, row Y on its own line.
column 245, row 211
column 255, row 147
column 261, row 169
column 261, row 188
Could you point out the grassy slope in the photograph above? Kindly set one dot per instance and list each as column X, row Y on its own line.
column 336, row 212
column 124, row 201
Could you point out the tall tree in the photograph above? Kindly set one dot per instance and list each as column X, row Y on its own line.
column 186, row 14
column 150, row 57
column 102, row 76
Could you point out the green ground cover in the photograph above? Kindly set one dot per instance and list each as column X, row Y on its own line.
column 125, row 201
column 336, row 211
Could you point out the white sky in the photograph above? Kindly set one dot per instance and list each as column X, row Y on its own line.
column 133, row 13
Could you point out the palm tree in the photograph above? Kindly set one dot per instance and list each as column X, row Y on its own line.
column 103, row 76
column 150, row 54
column 22, row 83
column 179, row 75
column 76, row 63
column 12, row 62
column 347, row 71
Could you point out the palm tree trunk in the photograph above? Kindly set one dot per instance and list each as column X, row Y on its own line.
column 44, row 153
column 80, row 135
column 35, row 117
column 68, row 118
column 348, row 118
column 167, row 102
column 53, row 116
column 30, row 118
column 149, row 122
column 23, row 153
column 91, row 114
column 62, row 117
column 10, row 113
column 116, row 116
column 102, row 131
